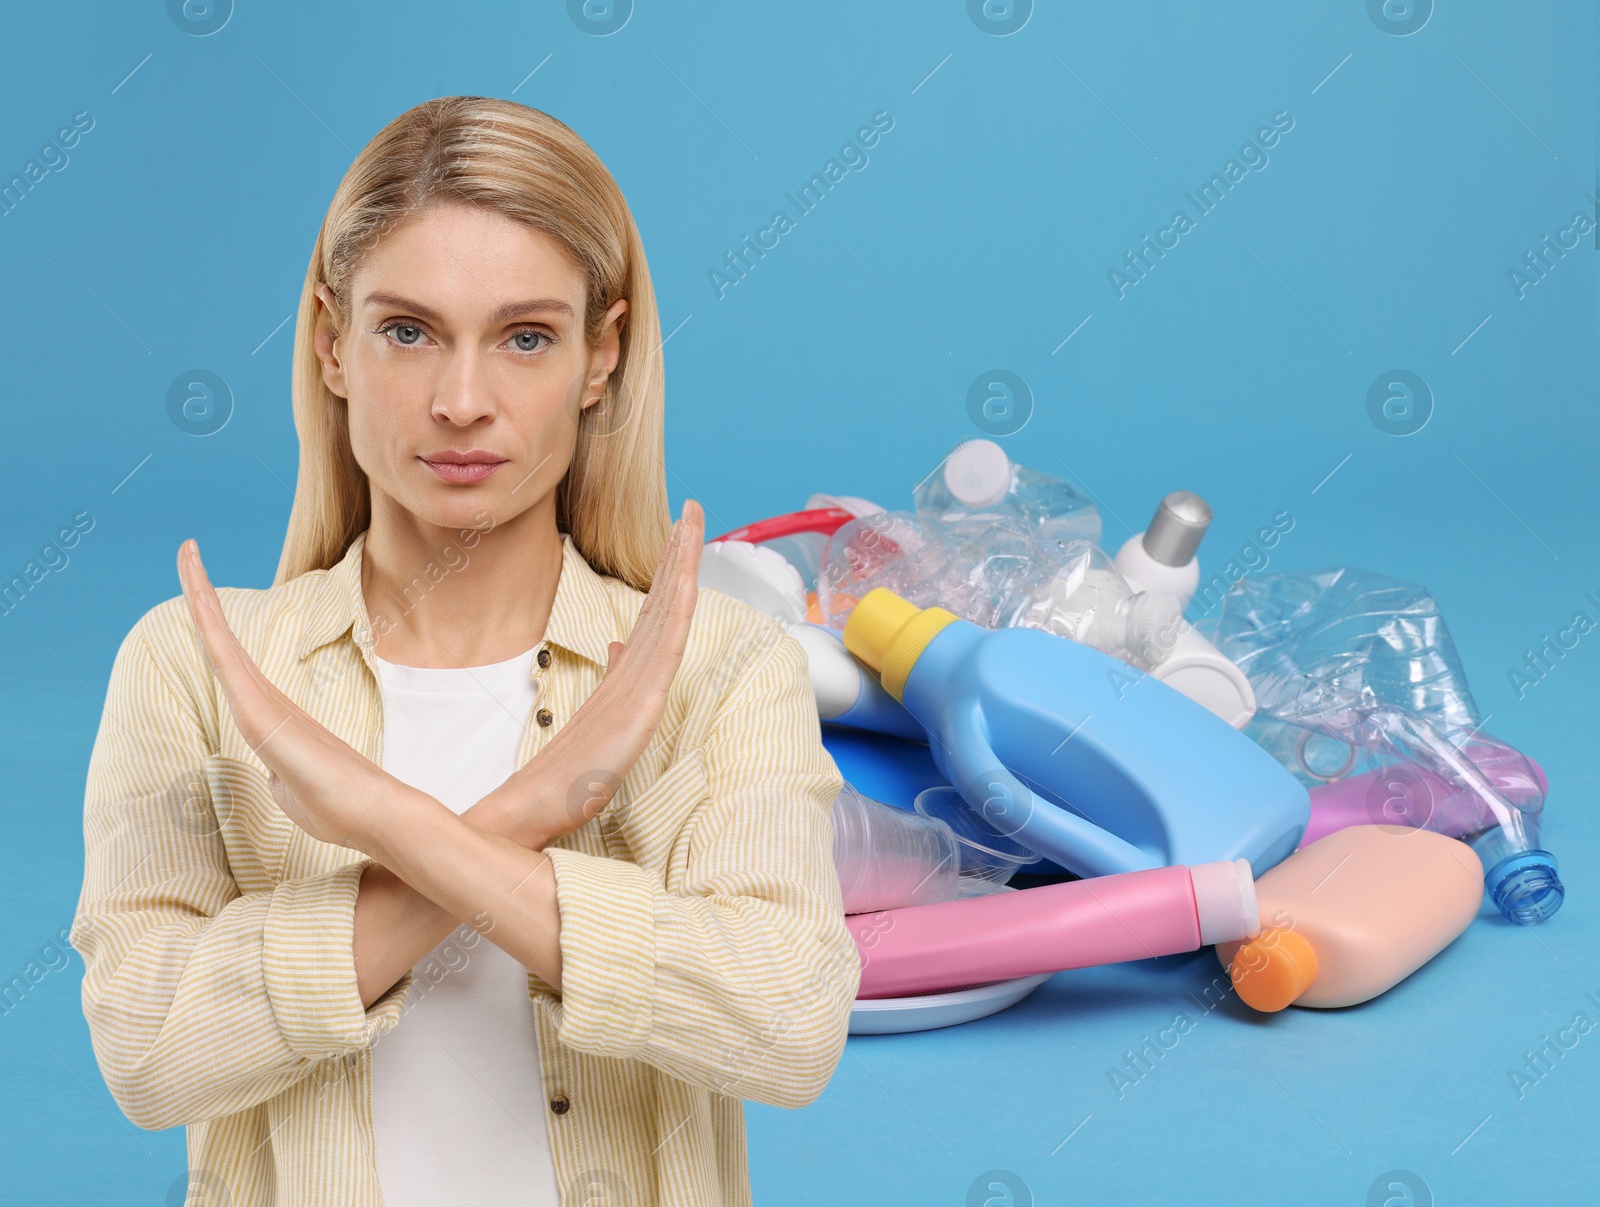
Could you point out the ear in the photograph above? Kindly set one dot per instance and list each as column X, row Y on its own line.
column 607, row 353
column 326, row 340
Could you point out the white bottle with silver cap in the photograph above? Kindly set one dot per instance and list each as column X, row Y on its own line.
column 1162, row 559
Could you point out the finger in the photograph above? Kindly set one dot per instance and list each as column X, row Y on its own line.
column 641, row 622
column 656, row 646
column 666, row 592
column 615, row 722
column 665, row 560
column 672, row 594
column 660, row 586
column 217, row 639
column 675, row 635
column 250, row 686
column 222, row 647
column 669, row 559
column 683, row 567
column 665, row 614
column 258, row 706
column 694, row 538
column 686, row 572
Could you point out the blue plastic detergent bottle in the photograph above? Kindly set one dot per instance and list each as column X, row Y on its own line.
column 1074, row 753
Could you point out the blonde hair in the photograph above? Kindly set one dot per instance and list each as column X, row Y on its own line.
column 526, row 165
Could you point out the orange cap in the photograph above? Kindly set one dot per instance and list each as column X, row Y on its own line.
column 1273, row 969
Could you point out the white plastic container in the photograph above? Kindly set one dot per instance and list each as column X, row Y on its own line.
column 1162, row 557
column 854, row 504
column 1203, row 673
column 755, row 575
column 1162, row 560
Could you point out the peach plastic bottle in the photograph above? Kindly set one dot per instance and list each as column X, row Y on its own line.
column 1354, row 914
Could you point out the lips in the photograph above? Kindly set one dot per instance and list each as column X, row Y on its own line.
column 463, row 468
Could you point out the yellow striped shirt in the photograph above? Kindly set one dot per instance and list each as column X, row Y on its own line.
column 705, row 958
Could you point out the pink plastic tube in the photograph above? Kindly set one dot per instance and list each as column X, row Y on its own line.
column 1104, row 920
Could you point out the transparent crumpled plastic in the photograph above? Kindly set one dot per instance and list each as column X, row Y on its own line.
column 977, row 480
column 888, row 858
column 1335, row 637
column 1356, row 672
column 995, row 573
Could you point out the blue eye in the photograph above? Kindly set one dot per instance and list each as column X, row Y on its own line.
column 523, row 341
column 407, row 335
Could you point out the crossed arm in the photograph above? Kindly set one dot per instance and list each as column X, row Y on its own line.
column 486, row 866
column 203, row 1001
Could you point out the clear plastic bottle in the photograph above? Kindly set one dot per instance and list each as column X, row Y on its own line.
column 1347, row 635
column 1355, row 672
column 1408, row 794
column 978, row 481
column 995, row 573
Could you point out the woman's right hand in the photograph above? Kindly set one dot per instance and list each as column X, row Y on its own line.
column 326, row 787
column 572, row 778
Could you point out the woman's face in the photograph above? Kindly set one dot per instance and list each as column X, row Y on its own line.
column 463, row 365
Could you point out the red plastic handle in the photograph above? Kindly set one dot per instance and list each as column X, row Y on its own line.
column 826, row 520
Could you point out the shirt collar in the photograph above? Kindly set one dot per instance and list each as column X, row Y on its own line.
column 582, row 619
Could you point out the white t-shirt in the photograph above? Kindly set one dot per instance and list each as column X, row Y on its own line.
column 458, row 1101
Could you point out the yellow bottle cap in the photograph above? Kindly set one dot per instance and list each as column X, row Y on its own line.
column 889, row 633
column 1273, row 969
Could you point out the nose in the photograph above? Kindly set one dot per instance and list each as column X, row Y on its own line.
column 463, row 395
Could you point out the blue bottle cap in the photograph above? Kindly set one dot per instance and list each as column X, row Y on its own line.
column 1526, row 888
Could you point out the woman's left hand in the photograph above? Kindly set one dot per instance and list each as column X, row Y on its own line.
column 575, row 775
column 326, row 787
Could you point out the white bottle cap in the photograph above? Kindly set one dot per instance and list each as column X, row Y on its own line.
column 978, row 473
column 1225, row 899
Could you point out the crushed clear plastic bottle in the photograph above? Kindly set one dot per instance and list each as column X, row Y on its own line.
column 1354, row 671
column 976, row 480
column 1367, row 637
column 995, row 573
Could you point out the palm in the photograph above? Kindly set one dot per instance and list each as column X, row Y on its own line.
column 574, row 776
column 324, row 785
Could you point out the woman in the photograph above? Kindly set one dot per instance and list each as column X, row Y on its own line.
column 456, row 765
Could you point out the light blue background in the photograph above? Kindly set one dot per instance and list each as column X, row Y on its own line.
column 1019, row 170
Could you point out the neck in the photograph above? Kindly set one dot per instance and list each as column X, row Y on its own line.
column 452, row 597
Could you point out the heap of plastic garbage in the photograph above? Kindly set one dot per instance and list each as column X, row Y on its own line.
column 1306, row 785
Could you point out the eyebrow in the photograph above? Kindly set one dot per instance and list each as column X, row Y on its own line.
column 505, row 314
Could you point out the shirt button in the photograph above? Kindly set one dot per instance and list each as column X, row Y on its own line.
column 544, row 658
column 560, row 1105
column 545, row 717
